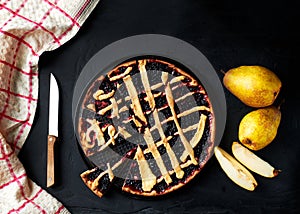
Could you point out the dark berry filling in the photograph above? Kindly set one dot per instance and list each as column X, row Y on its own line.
column 107, row 86
column 93, row 175
column 104, row 119
column 135, row 185
column 104, row 183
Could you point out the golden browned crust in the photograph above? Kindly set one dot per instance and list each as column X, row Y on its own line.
column 154, row 193
column 89, row 183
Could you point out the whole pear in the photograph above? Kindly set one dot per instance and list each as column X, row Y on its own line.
column 258, row 128
column 256, row 86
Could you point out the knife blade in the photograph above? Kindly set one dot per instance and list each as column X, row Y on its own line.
column 52, row 128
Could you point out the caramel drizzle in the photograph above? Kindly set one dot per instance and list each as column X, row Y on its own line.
column 95, row 128
column 176, row 79
column 158, row 85
column 170, row 152
column 182, row 114
column 114, row 104
column 135, row 103
column 192, row 110
column 113, row 135
column 137, row 109
column 123, row 132
column 197, row 137
column 171, row 118
column 123, row 109
column 184, row 96
column 117, row 111
column 122, row 75
column 153, row 149
column 148, row 178
column 185, row 142
column 91, row 107
column 145, row 81
column 100, row 95
column 159, row 143
column 193, row 82
column 174, row 162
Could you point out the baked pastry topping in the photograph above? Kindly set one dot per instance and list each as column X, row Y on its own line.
column 148, row 126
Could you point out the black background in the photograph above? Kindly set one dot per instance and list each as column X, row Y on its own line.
column 229, row 34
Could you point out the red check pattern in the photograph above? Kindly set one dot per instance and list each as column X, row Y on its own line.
column 27, row 29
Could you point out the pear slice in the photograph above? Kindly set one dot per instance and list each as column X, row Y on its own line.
column 252, row 161
column 234, row 170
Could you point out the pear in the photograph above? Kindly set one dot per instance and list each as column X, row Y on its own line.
column 235, row 170
column 258, row 128
column 256, row 86
column 252, row 161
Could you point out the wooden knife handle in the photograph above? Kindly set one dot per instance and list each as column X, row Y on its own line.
column 50, row 160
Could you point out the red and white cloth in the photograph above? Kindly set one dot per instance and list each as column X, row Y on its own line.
column 27, row 29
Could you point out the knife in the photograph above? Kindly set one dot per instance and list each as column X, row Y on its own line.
column 52, row 128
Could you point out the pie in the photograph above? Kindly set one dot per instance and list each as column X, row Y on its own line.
column 147, row 126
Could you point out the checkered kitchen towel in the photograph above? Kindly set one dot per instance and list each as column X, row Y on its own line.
column 27, row 29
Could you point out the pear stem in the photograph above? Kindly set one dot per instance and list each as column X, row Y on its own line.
column 222, row 71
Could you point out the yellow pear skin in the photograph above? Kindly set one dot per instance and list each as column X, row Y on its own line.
column 256, row 86
column 235, row 170
column 252, row 161
column 258, row 128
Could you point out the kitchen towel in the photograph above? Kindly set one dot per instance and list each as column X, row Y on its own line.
column 27, row 29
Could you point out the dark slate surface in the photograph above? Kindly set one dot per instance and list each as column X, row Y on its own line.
column 229, row 34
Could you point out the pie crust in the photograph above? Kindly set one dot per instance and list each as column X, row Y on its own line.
column 147, row 125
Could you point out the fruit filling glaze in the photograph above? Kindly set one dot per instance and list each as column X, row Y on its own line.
column 147, row 126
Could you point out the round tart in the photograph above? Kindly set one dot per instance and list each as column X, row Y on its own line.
column 147, row 126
